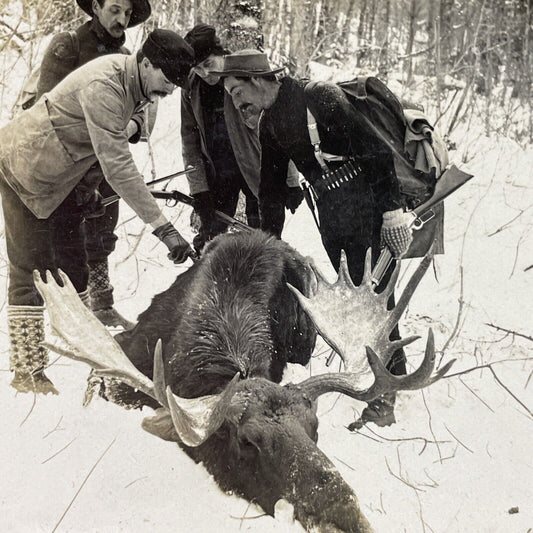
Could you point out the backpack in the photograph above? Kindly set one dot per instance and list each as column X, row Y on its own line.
column 420, row 155
column 28, row 93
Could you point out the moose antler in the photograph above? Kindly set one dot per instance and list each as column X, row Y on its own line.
column 350, row 319
column 88, row 340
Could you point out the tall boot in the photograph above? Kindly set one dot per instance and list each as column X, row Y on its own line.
column 381, row 410
column 101, row 297
column 28, row 358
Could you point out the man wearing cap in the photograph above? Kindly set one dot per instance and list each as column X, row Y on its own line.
column 217, row 180
column 220, row 144
column 103, row 34
column 46, row 151
column 364, row 210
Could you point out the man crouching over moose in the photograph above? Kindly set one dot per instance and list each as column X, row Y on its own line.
column 363, row 211
column 45, row 152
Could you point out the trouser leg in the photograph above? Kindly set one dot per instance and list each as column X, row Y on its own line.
column 41, row 244
column 226, row 184
column 100, row 243
column 252, row 206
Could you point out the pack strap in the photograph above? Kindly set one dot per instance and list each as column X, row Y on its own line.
column 75, row 45
column 315, row 140
column 321, row 157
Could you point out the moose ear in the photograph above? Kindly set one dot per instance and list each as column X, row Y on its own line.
column 161, row 425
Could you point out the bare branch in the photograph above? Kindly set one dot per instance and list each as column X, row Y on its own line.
column 511, row 393
column 510, row 331
column 462, row 444
column 455, row 330
column 58, row 452
column 82, row 485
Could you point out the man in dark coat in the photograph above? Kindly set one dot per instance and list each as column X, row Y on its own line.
column 217, row 180
column 103, row 34
column 363, row 209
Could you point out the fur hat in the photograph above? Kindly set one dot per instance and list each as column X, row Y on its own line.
column 247, row 64
column 204, row 40
column 168, row 51
column 140, row 10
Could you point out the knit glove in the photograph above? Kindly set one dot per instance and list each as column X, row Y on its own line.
column 293, row 198
column 396, row 232
column 179, row 248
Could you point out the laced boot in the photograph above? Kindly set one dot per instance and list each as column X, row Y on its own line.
column 28, row 358
column 101, row 297
column 380, row 411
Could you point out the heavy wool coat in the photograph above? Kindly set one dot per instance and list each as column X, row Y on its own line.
column 62, row 56
column 355, row 209
column 46, row 150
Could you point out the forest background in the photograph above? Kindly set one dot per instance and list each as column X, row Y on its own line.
column 458, row 51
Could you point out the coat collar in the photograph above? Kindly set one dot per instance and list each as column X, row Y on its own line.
column 103, row 36
column 134, row 79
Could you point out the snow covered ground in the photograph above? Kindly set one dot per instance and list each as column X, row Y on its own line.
column 459, row 459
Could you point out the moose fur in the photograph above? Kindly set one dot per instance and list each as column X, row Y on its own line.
column 232, row 313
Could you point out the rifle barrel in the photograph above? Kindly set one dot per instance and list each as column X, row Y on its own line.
column 115, row 197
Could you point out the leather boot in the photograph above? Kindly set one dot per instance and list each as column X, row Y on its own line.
column 380, row 411
column 101, row 297
column 28, row 358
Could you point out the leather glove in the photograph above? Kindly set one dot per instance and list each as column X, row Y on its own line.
column 396, row 232
column 179, row 248
column 293, row 198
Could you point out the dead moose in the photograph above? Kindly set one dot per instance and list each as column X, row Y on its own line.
column 228, row 326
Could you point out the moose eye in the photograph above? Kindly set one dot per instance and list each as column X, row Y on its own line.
column 248, row 445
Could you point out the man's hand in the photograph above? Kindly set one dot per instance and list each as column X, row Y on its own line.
column 396, row 232
column 179, row 248
column 293, row 198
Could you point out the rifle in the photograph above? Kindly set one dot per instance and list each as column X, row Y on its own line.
column 178, row 196
column 115, row 198
column 451, row 179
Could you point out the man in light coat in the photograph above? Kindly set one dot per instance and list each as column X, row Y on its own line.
column 46, row 151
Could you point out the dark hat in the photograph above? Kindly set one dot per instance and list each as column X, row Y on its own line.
column 204, row 40
column 247, row 64
column 168, row 51
column 140, row 10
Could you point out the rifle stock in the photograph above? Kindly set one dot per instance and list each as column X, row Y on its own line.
column 451, row 179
